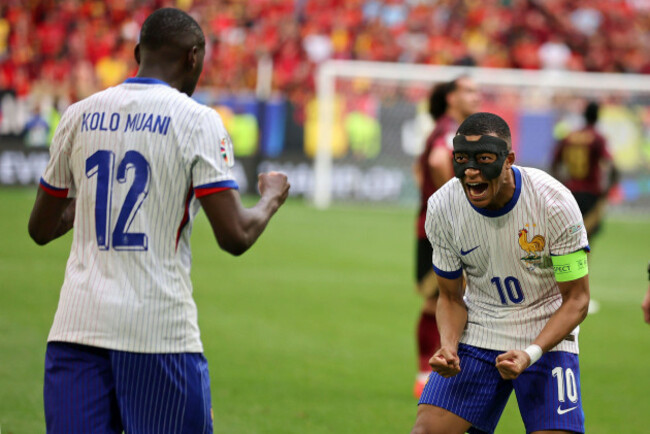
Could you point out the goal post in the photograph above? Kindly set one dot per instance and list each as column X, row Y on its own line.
column 558, row 95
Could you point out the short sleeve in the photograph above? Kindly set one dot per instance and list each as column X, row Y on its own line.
column 445, row 260
column 213, row 156
column 567, row 229
column 603, row 152
column 57, row 179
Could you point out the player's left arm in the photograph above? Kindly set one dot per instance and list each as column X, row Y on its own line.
column 568, row 246
column 51, row 217
column 575, row 303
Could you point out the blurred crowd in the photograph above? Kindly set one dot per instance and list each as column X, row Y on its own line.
column 75, row 47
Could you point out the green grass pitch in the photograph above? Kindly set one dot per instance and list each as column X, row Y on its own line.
column 312, row 331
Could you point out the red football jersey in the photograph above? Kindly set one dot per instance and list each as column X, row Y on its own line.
column 581, row 153
column 442, row 135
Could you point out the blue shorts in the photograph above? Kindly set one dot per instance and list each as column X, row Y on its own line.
column 548, row 392
column 89, row 389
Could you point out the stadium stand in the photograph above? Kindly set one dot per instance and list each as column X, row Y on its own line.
column 73, row 48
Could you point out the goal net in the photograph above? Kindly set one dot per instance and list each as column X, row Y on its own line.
column 371, row 121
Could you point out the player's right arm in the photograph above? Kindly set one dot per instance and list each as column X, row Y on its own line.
column 451, row 311
column 51, row 217
column 451, row 316
column 54, row 208
column 235, row 227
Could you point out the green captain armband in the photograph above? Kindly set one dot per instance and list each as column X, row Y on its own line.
column 570, row 267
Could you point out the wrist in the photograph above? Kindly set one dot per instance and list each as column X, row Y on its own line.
column 534, row 352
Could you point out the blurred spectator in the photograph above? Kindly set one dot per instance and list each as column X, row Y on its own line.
column 554, row 54
column 60, row 44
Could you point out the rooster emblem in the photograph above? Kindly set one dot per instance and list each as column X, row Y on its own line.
column 534, row 247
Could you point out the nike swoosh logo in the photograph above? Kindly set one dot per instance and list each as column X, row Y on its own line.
column 467, row 252
column 561, row 412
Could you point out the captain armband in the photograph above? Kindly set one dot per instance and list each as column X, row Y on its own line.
column 570, row 267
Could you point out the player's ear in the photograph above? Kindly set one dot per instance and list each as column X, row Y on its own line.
column 510, row 159
column 192, row 57
column 136, row 53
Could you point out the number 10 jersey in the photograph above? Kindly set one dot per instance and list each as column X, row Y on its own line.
column 511, row 288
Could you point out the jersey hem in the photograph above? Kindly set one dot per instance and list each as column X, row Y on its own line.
column 98, row 343
column 559, row 347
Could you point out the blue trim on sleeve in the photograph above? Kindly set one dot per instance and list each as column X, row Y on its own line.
column 144, row 80
column 448, row 274
column 511, row 203
column 51, row 186
column 221, row 184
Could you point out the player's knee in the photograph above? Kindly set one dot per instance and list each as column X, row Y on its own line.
column 423, row 421
column 419, row 428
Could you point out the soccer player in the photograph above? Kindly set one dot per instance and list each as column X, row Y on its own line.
column 518, row 235
column 449, row 104
column 580, row 160
column 126, row 169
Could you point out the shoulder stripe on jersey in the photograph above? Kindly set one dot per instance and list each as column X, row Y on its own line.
column 448, row 274
column 186, row 214
column 54, row 191
column 509, row 206
column 144, row 80
column 215, row 187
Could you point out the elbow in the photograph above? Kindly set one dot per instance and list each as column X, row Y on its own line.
column 38, row 236
column 583, row 307
column 584, row 310
column 234, row 246
column 40, row 240
column 235, row 250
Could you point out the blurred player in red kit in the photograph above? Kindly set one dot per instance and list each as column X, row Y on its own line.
column 581, row 161
column 449, row 104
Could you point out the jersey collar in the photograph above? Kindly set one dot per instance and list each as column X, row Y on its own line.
column 144, row 80
column 511, row 203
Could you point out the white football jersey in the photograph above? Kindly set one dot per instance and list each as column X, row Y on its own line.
column 135, row 156
column 511, row 288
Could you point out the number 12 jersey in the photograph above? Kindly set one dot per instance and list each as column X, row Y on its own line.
column 135, row 156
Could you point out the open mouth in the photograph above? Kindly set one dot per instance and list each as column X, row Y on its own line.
column 477, row 190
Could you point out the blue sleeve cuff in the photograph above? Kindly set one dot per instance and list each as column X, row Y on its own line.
column 448, row 274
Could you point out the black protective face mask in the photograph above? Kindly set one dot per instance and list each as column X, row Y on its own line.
column 486, row 144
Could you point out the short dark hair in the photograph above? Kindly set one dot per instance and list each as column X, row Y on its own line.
column 438, row 96
column 167, row 27
column 438, row 100
column 484, row 123
column 591, row 112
